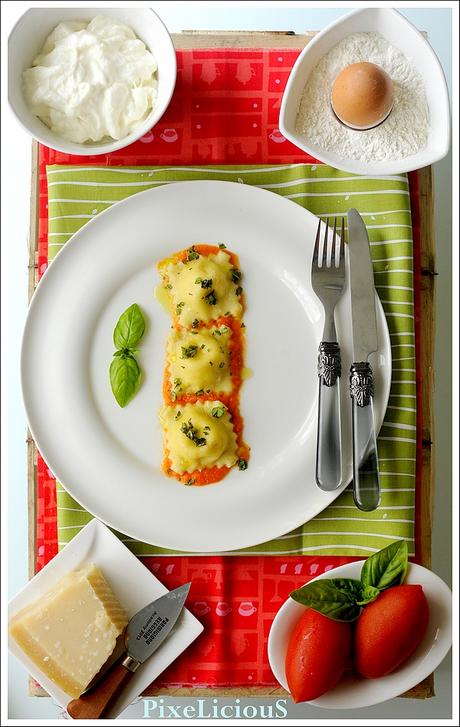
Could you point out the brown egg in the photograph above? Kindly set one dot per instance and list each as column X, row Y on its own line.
column 362, row 95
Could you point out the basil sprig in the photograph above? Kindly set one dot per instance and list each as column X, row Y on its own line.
column 125, row 374
column 341, row 598
column 130, row 328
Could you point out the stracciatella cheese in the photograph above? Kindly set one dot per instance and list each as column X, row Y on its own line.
column 92, row 81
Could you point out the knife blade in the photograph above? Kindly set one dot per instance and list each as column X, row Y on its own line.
column 363, row 317
column 366, row 479
column 145, row 632
column 151, row 625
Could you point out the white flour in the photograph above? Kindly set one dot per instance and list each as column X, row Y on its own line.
column 405, row 132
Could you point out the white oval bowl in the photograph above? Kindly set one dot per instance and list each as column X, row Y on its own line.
column 354, row 691
column 393, row 27
column 27, row 39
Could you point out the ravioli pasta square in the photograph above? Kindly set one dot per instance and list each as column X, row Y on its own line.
column 201, row 290
column 203, row 287
column 199, row 436
column 200, row 360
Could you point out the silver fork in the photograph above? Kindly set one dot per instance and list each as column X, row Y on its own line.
column 328, row 282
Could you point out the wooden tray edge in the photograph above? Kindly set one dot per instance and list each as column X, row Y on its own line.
column 263, row 39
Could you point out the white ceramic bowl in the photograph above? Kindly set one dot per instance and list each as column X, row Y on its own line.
column 400, row 33
column 26, row 41
column 354, row 691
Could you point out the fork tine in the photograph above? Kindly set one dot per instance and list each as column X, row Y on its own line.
column 316, row 250
column 324, row 260
column 334, row 245
column 342, row 246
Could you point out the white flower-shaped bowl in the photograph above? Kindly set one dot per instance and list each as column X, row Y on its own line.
column 27, row 39
column 399, row 32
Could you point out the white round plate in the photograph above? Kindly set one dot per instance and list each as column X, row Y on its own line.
column 109, row 458
column 354, row 691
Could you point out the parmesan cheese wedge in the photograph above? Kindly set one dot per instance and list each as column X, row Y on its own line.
column 71, row 631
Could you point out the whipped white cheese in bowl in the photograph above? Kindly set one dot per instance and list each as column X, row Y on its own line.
column 92, row 80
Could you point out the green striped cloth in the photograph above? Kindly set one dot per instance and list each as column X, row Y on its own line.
column 77, row 194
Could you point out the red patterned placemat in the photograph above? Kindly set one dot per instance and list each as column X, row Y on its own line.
column 224, row 111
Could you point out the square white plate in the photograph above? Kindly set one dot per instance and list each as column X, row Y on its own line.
column 133, row 585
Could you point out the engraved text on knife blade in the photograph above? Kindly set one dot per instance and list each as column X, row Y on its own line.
column 155, row 624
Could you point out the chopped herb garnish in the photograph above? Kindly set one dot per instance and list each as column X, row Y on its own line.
column 173, row 396
column 239, row 290
column 221, row 365
column 195, row 323
column 200, row 392
column 194, row 333
column 226, row 314
column 192, row 254
column 188, row 351
column 242, row 464
column 211, row 363
column 168, row 286
column 218, row 411
column 236, row 275
column 189, row 482
column 216, row 332
column 222, row 246
column 198, row 281
column 191, row 433
column 210, row 298
column 178, row 414
column 206, row 283
column 224, row 329
column 177, row 382
column 179, row 307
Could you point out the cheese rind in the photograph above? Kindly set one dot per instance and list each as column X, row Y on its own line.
column 72, row 630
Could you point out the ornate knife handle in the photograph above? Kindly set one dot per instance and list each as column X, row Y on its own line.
column 328, row 442
column 366, row 482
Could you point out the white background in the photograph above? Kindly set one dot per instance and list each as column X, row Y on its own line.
column 299, row 17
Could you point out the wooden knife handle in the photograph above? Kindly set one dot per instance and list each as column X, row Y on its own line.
column 96, row 701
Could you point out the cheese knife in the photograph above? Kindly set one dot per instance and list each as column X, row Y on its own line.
column 366, row 481
column 144, row 633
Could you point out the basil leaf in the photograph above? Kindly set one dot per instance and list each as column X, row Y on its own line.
column 386, row 568
column 333, row 597
column 368, row 594
column 130, row 327
column 125, row 378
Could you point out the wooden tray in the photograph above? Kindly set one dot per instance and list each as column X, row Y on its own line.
column 285, row 39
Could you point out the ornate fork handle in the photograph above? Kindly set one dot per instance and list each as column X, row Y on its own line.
column 328, row 443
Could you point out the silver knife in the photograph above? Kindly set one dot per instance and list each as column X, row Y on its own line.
column 366, row 481
column 144, row 633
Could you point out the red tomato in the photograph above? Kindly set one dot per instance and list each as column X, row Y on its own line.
column 389, row 630
column 317, row 655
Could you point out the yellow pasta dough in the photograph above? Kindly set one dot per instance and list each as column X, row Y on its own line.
column 198, row 436
column 203, row 288
column 200, row 360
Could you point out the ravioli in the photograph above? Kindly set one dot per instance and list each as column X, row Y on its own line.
column 203, row 288
column 199, row 361
column 203, row 429
column 199, row 435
